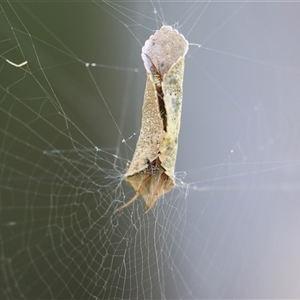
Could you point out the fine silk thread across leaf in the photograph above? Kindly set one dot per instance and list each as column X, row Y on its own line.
column 151, row 172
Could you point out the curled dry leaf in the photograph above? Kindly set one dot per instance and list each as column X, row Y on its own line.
column 151, row 172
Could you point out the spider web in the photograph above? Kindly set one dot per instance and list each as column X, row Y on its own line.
column 70, row 120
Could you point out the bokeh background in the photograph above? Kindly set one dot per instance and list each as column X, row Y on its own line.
column 231, row 227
